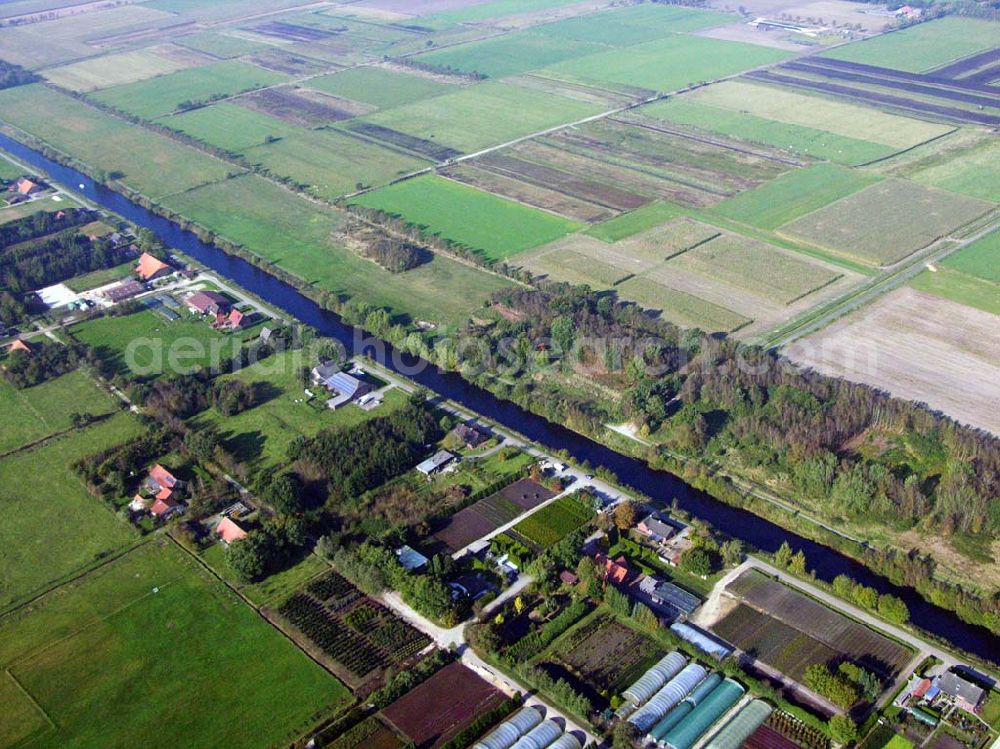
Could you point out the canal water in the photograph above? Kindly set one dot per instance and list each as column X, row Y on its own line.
column 660, row 485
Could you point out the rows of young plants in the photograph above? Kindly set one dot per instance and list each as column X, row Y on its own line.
column 331, row 587
column 796, row 731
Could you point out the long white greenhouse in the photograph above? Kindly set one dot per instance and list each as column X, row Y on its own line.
column 668, row 696
column 540, row 736
column 507, row 733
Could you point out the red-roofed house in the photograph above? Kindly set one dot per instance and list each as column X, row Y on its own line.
column 207, row 302
column 25, row 186
column 161, row 478
column 229, row 531
column 233, row 320
column 616, row 571
column 19, row 345
column 139, row 503
column 164, row 508
column 150, row 267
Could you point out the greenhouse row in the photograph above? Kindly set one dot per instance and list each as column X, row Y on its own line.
column 526, row 729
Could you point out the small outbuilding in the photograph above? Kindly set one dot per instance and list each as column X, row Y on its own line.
column 229, row 530
column 437, row 462
column 411, row 559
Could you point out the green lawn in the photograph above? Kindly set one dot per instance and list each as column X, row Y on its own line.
column 147, row 344
column 380, row 87
column 9, row 170
column 145, row 161
column 260, row 436
column 922, row 47
column 230, row 126
column 972, row 173
column 498, row 227
column 272, row 590
column 50, row 525
column 980, row 259
column 155, row 634
column 34, row 413
column 101, row 277
column 296, row 235
column 635, row 222
column 668, row 64
column 509, row 54
column 793, row 195
column 164, row 94
column 483, row 115
column 960, row 287
column 622, row 27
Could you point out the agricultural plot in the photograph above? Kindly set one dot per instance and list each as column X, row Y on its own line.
column 296, row 234
column 380, row 87
column 980, row 259
column 793, row 195
column 353, row 633
column 147, row 162
column 230, row 127
column 680, row 307
column 20, row 210
column 959, row 287
column 164, row 95
column 851, row 639
column 922, row 47
column 971, row 173
column 429, row 721
column 635, row 222
column 32, row 414
column 623, row 27
column 555, row 521
column 113, row 70
column 76, row 654
column 288, row 62
column 220, row 44
column 302, row 107
column 502, row 227
column 909, row 217
column 329, row 164
column 666, row 64
column 475, row 117
column 31, row 482
column 488, row 514
column 568, row 261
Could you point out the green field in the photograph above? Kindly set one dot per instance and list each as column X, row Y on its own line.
column 50, row 524
column 229, row 126
column 112, row 70
column 922, row 47
column 808, row 141
column 260, row 436
column 9, row 170
column 379, row 87
column 329, row 164
column 501, row 228
column 948, row 283
column 272, row 590
column 497, row 9
column 667, row 64
column 101, row 277
column 642, row 219
column 887, row 221
column 221, row 45
column 555, row 521
column 163, row 95
column 149, row 163
column 31, row 414
column 14, row 212
column 483, row 115
column 509, row 54
column 680, row 307
column 972, row 173
column 980, row 259
column 296, row 235
column 793, row 195
column 152, row 632
column 622, row 27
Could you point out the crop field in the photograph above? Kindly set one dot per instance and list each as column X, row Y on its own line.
column 302, row 107
column 371, row 733
column 75, row 653
column 909, row 217
column 260, row 436
column 963, row 288
column 554, row 522
column 509, row 54
column 31, row 483
column 488, row 514
column 667, row 64
column 980, row 259
column 329, row 164
column 442, row 207
column 112, row 70
column 572, row 266
column 623, row 27
column 972, row 173
column 220, row 44
column 429, row 721
column 680, row 307
column 153, row 98
column 292, row 232
column 380, row 87
column 793, row 195
column 922, row 47
column 855, row 641
column 777, row 644
column 229, row 126
column 34, row 413
column 149, row 163
column 635, row 222
column 490, row 113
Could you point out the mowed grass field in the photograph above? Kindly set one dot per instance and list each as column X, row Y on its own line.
column 922, row 47
column 637, row 221
column 680, row 307
column 972, row 291
column 297, row 235
column 667, row 64
column 229, row 126
column 14, row 212
column 31, row 414
column 636, row 24
column 220, row 44
column 148, row 163
column 155, row 635
column 112, row 70
column 380, row 87
column 153, row 98
column 497, row 227
column 50, row 525
column 980, row 259
column 972, row 173
column 793, row 195
column 886, row 222
column 484, row 115
column 509, row 54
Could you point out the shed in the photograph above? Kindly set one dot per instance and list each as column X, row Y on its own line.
column 741, row 726
column 924, row 716
column 435, row 463
column 540, row 736
column 207, row 302
column 507, row 733
column 229, row 530
column 410, row 559
column 124, row 290
column 668, row 696
column 675, row 597
column 698, row 721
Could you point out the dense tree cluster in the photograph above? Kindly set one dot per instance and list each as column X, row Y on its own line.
column 40, row 224
column 268, row 549
column 396, row 255
column 14, row 75
column 45, row 361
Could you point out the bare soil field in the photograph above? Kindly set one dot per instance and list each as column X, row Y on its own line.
column 282, row 61
column 302, row 107
column 394, row 139
column 916, row 346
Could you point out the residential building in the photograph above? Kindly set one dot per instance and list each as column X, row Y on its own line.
column 229, row 530
column 19, row 345
column 967, row 696
column 151, row 267
column 207, row 302
column 165, row 506
column 615, row 571
column 232, row 321
column 25, row 186
column 656, row 529
column 470, row 436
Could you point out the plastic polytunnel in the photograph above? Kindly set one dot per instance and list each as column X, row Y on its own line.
column 703, row 690
column 507, row 733
column 666, row 668
column 540, row 736
column 735, row 733
column 671, row 719
column 698, row 721
column 668, row 696
column 566, row 741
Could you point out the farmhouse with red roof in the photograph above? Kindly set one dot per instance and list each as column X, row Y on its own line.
column 151, row 267
column 228, row 530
